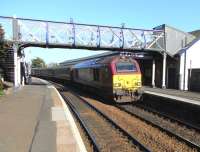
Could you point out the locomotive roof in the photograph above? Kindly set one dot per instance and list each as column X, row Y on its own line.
column 98, row 62
column 80, row 60
column 94, row 62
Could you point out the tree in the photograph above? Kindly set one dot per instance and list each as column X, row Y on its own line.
column 1, row 40
column 38, row 63
column 4, row 45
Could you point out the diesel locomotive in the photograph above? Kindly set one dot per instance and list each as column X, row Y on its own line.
column 114, row 77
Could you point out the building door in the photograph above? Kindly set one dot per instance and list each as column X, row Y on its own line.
column 146, row 69
column 194, row 80
column 172, row 78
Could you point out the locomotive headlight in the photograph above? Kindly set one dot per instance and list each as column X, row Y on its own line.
column 117, row 84
column 138, row 83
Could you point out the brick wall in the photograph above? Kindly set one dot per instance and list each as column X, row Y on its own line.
column 7, row 64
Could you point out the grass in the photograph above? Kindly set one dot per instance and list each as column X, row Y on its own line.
column 1, row 88
column 1, row 92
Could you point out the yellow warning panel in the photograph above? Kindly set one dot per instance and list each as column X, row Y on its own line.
column 127, row 81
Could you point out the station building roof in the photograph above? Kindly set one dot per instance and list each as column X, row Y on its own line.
column 175, row 39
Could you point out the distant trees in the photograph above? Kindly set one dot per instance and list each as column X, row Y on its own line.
column 1, row 35
column 196, row 33
column 53, row 65
column 38, row 63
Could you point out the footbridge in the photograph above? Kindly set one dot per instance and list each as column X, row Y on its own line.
column 51, row 34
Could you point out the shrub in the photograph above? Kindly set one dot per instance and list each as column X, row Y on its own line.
column 1, row 85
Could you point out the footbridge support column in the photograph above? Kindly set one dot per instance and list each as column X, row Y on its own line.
column 17, row 69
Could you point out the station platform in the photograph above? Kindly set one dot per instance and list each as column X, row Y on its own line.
column 34, row 118
column 183, row 96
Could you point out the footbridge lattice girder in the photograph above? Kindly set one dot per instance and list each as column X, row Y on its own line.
column 28, row 32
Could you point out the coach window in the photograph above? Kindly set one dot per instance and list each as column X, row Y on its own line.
column 76, row 73
column 96, row 74
column 106, row 73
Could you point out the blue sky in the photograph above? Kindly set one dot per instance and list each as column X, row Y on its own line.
column 182, row 14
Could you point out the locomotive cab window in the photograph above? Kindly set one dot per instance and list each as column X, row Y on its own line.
column 126, row 66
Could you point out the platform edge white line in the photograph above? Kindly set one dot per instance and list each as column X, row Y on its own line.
column 195, row 102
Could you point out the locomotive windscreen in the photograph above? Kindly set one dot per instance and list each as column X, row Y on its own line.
column 126, row 67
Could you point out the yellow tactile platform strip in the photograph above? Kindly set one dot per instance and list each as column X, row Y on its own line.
column 56, row 100
column 64, row 139
column 66, row 136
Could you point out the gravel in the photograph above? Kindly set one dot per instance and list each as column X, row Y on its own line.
column 145, row 133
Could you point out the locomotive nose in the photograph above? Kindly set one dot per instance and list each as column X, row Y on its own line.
column 129, row 83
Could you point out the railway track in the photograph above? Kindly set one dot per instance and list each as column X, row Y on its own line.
column 164, row 123
column 171, row 118
column 104, row 134
column 158, row 144
column 176, row 111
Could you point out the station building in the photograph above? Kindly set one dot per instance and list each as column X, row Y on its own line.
column 190, row 66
